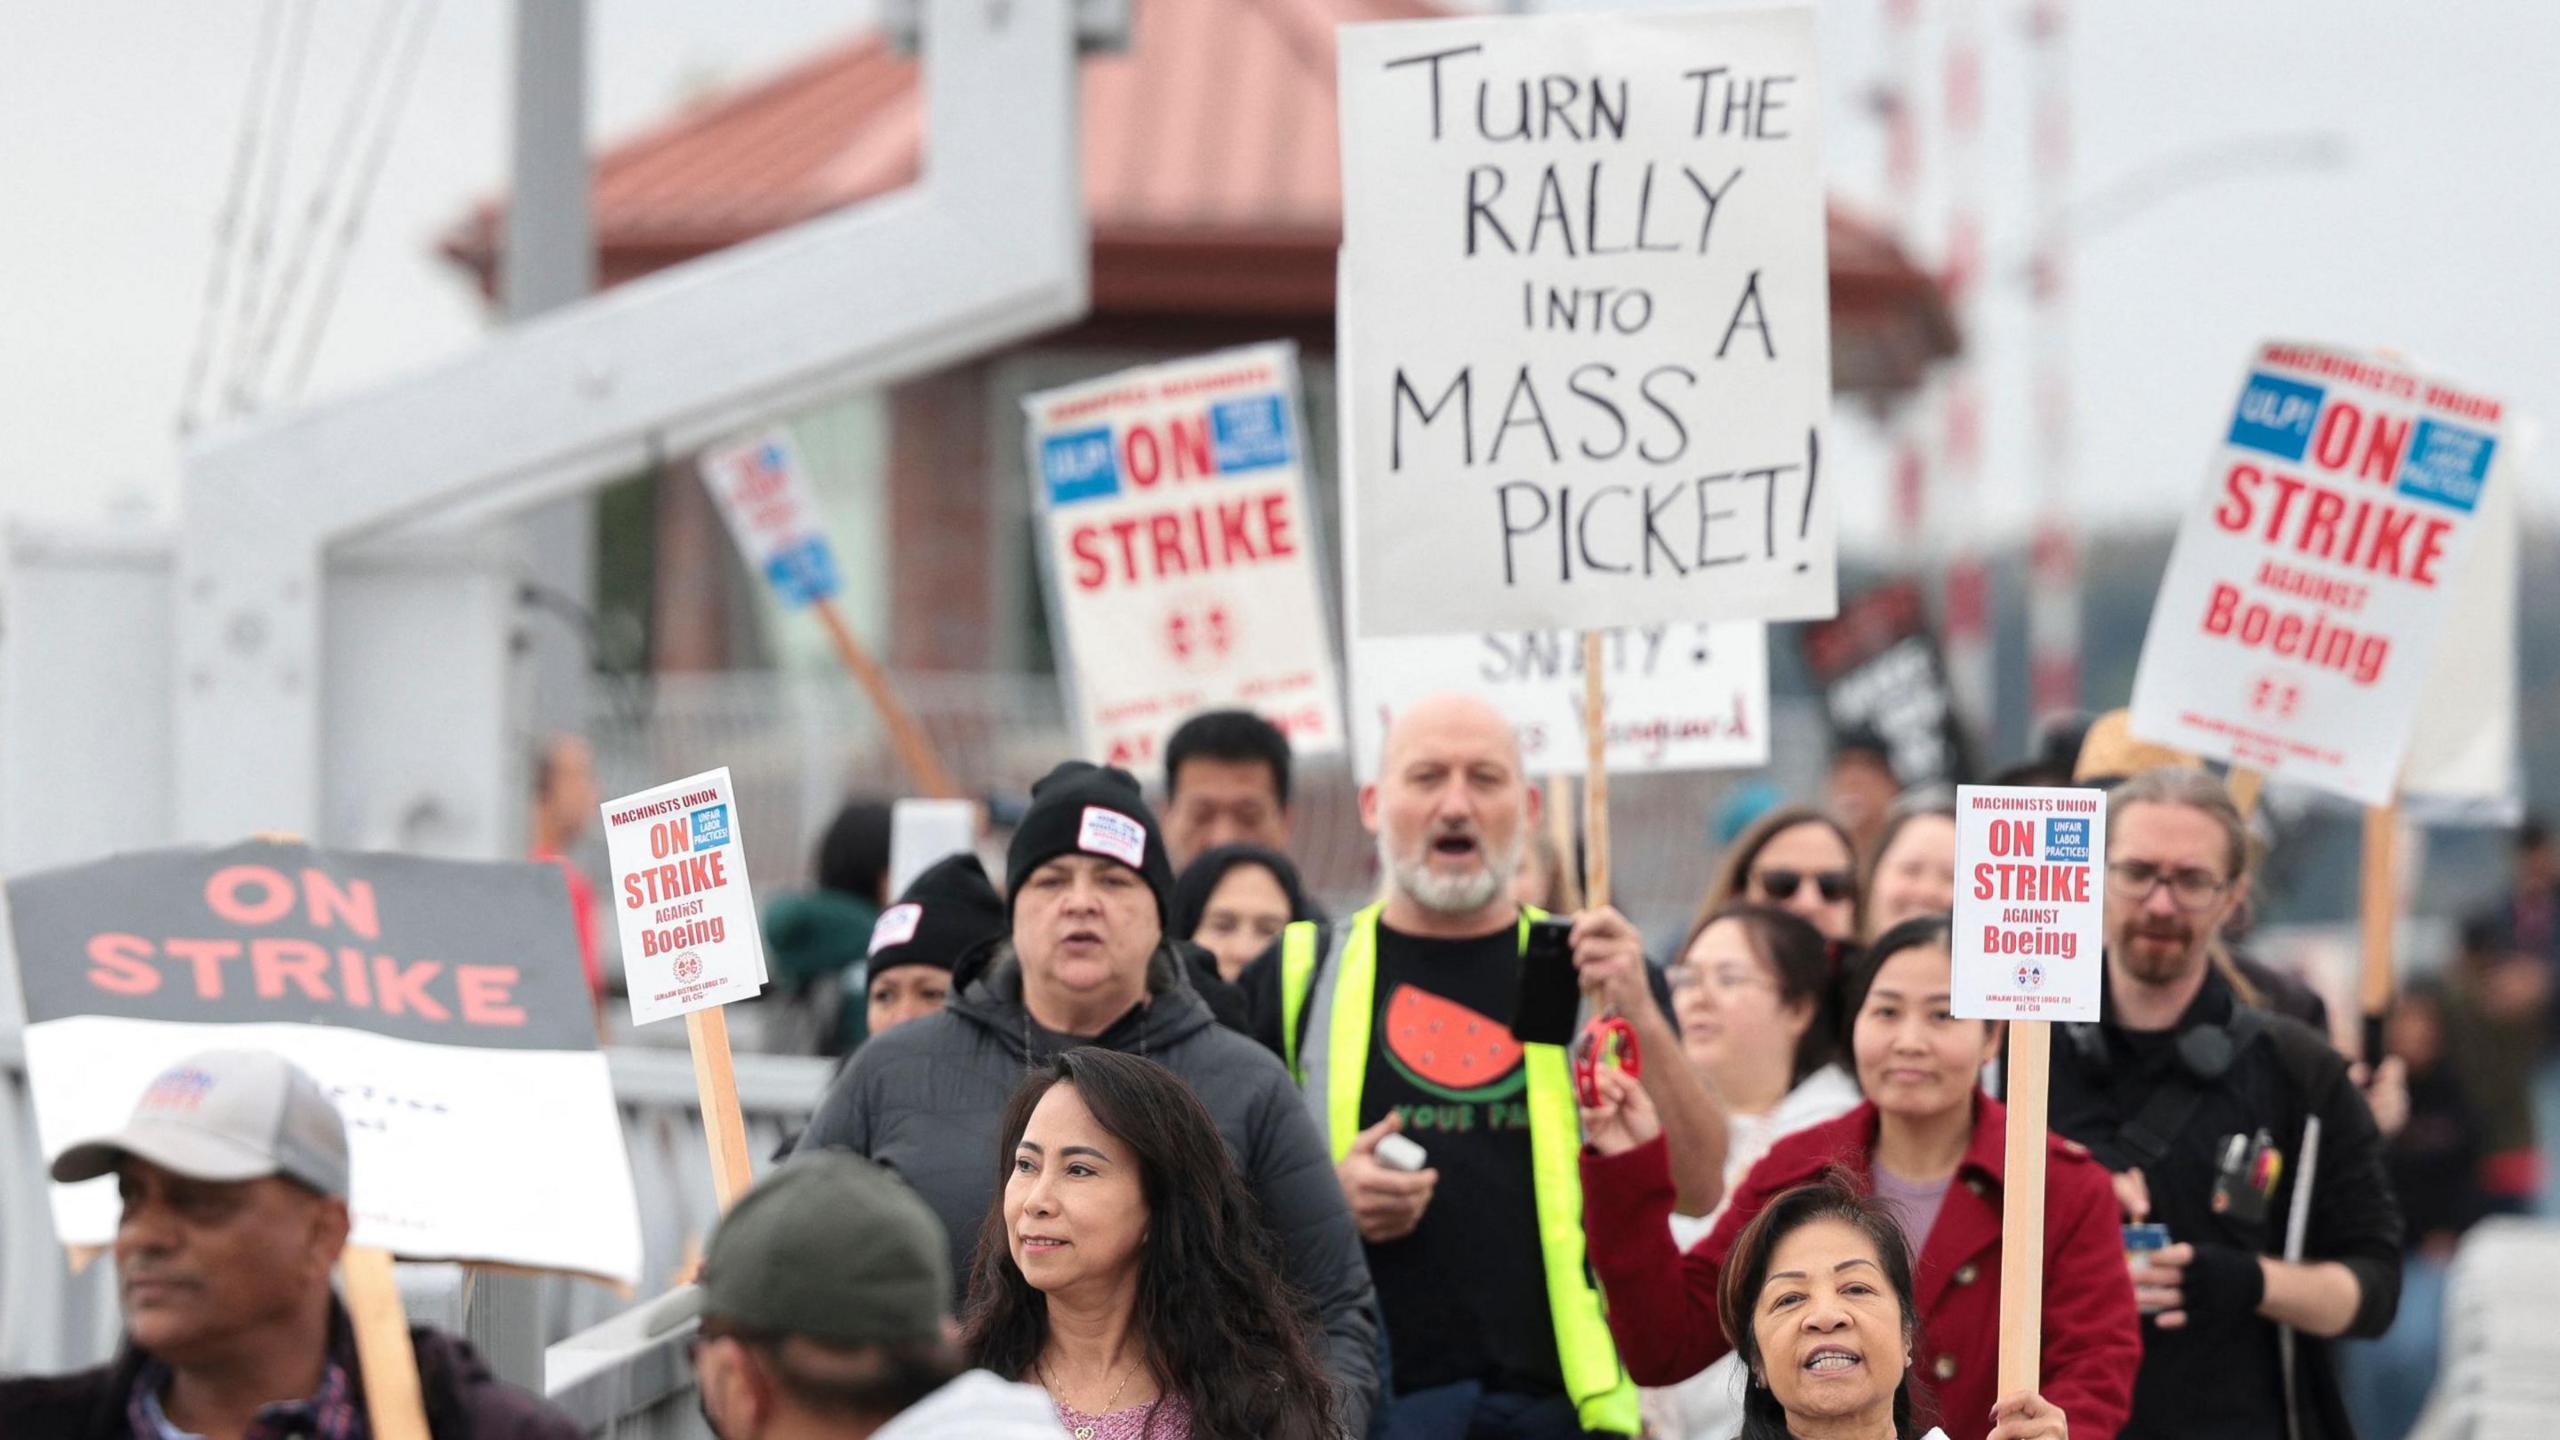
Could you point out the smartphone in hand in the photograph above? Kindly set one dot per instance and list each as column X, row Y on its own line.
column 1550, row 997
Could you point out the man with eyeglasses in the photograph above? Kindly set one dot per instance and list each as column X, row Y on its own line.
column 824, row 1313
column 2202, row 1107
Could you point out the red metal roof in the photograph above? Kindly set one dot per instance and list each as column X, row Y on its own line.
column 1211, row 169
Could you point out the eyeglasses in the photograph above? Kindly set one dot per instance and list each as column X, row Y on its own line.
column 1782, row 885
column 1724, row 979
column 2190, row 889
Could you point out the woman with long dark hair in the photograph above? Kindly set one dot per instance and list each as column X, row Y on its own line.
column 1823, row 1308
column 1752, row 993
column 1125, row 1271
column 1796, row 858
column 1933, row 1149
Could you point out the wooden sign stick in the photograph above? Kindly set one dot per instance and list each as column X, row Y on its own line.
column 715, row 1083
column 2380, row 916
column 2022, row 1208
column 1595, row 774
column 914, row 750
column 395, row 1406
column 1568, row 888
column 2244, row 784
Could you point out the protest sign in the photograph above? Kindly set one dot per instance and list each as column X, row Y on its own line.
column 1585, row 325
column 922, row 832
column 771, row 509
column 2463, row 766
column 681, row 898
column 2031, row 868
column 441, row 1004
column 1680, row 697
column 1179, row 551
column 1883, row 674
column 2311, row 583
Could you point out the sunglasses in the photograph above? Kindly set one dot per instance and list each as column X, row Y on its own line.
column 1782, row 885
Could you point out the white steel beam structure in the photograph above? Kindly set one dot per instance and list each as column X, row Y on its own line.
column 989, row 248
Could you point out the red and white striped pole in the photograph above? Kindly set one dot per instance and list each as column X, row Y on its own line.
column 1900, row 97
column 2053, row 586
column 1967, row 604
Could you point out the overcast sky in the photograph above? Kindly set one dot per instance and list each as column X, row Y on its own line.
column 120, row 120
column 2431, row 233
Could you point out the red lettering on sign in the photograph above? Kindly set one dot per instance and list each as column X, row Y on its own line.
column 122, row 964
column 351, row 979
column 1141, row 457
column 222, row 893
column 485, row 991
column 207, row 956
column 1182, row 541
column 352, row 907
column 274, row 961
column 403, row 987
column 1191, row 459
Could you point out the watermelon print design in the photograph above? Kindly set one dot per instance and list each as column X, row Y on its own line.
column 1445, row 1049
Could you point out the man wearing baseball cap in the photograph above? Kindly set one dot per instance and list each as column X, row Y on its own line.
column 233, row 1170
column 1084, row 961
column 825, row 1315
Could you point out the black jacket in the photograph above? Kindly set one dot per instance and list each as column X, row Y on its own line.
column 926, row 1100
column 2219, row 1375
column 463, row 1400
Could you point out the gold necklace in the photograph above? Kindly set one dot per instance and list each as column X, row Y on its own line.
column 1085, row 1432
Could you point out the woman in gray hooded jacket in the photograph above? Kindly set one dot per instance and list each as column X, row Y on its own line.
column 1087, row 963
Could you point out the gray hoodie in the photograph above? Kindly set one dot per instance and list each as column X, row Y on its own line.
column 926, row 1099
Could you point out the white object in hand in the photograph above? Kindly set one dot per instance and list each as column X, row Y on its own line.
column 1397, row 1153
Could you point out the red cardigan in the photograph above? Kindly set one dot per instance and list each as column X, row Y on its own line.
column 1662, row 1304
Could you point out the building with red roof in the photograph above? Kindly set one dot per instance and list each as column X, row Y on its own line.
column 1212, row 183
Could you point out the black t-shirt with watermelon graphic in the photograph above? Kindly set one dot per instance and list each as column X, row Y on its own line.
column 1465, row 1294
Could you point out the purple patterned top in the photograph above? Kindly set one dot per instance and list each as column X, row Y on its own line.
column 1171, row 1415
column 329, row 1415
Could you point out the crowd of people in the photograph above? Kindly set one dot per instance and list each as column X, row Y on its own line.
column 1142, row 1143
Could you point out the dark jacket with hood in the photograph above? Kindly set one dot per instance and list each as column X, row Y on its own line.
column 463, row 1400
column 927, row 1099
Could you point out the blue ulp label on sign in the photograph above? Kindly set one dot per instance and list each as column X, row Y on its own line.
column 804, row 572
column 2447, row 464
column 1250, row 433
column 2275, row 415
column 710, row 826
column 2066, row 841
column 1081, row 466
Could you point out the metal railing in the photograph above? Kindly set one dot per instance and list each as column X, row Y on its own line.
column 54, row 1320
column 2495, row 1379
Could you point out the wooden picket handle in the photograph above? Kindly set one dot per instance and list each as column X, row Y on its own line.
column 2022, row 1208
column 1595, row 774
column 914, row 750
column 1567, row 897
column 715, row 1083
column 395, row 1406
column 2379, row 914
column 2244, row 784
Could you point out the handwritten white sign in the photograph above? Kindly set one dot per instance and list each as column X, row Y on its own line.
column 1678, row 697
column 1585, row 322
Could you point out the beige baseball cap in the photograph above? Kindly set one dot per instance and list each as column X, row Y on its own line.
column 226, row 1116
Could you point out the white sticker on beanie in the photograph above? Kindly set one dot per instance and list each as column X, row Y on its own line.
column 1108, row 832
column 896, row 926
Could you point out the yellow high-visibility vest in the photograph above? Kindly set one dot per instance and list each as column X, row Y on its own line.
column 1604, row 1397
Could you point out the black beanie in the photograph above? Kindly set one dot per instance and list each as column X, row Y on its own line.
column 1082, row 808
column 946, row 911
column 1200, row 881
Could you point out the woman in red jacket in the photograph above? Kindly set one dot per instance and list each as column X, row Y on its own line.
column 1929, row 1144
